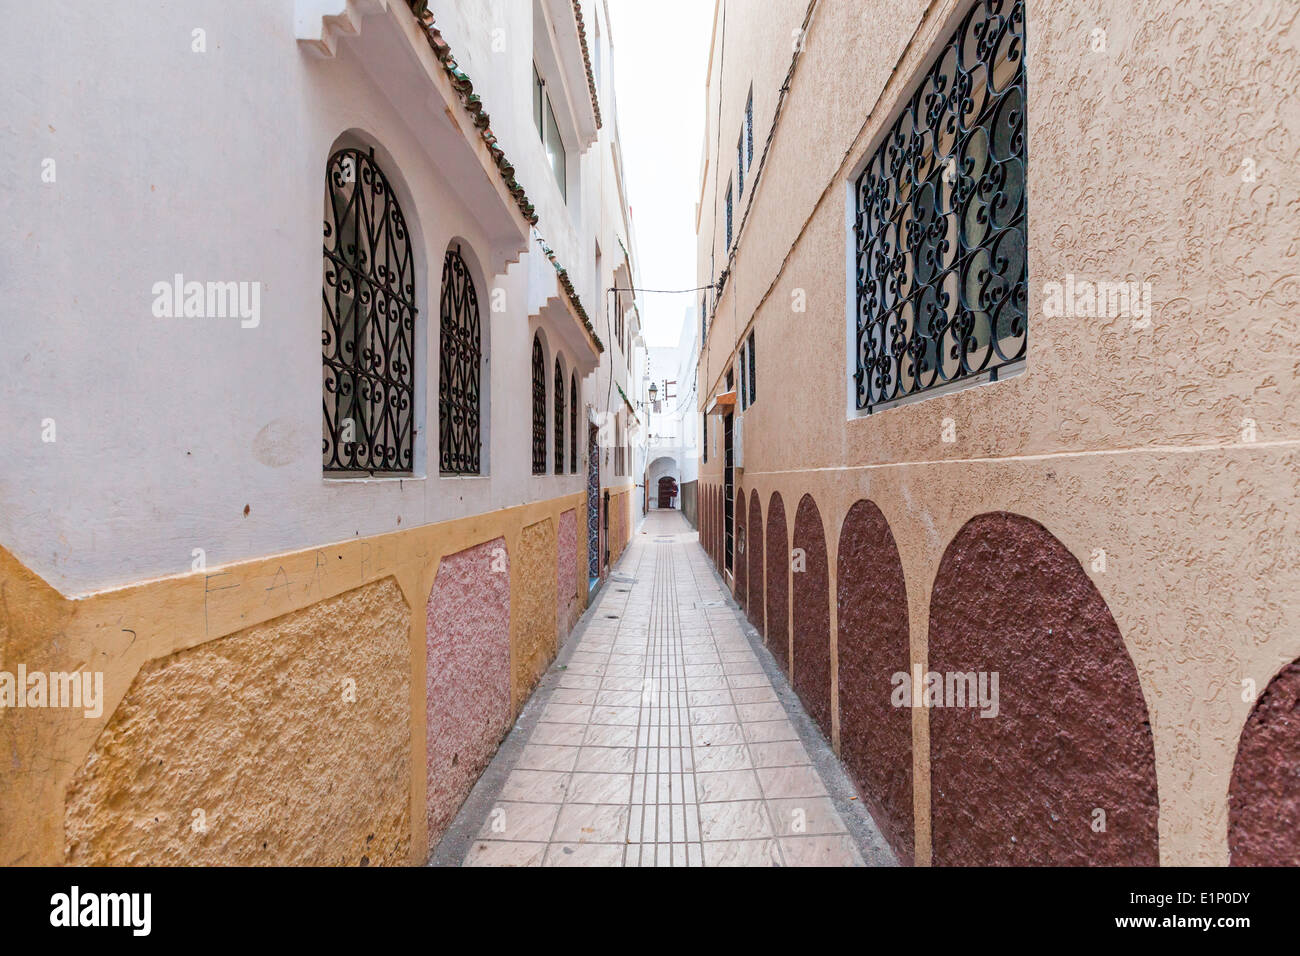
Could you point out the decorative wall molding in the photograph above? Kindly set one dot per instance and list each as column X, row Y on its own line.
column 572, row 294
column 586, row 61
column 473, row 103
column 318, row 24
column 574, row 60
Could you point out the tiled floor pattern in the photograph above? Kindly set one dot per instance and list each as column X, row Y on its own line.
column 664, row 743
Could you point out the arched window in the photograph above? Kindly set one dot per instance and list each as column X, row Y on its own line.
column 559, row 418
column 573, row 424
column 539, row 407
column 459, row 370
column 367, row 321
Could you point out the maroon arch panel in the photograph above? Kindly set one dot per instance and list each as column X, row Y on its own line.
column 873, row 645
column 1264, row 795
column 706, row 519
column 709, row 520
column 703, row 509
column 706, row 531
column 1072, row 737
column 778, row 582
column 717, row 524
column 713, row 524
column 811, row 659
column 754, row 546
column 709, row 541
column 740, row 562
column 719, row 530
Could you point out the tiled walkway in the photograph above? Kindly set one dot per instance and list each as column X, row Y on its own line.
column 658, row 739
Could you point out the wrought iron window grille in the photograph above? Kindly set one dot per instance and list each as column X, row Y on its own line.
column 749, row 128
column 367, row 323
column 539, row 408
column 740, row 167
column 728, row 217
column 744, row 377
column 573, row 424
column 559, row 418
column 460, row 370
column 940, row 222
column 753, row 376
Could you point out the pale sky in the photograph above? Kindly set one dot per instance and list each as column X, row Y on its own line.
column 661, row 51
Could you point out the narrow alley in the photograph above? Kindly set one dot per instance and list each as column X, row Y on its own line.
column 746, row 433
column 662, row 736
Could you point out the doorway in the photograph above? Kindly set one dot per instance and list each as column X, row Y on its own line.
column 729, row 490
column 667, row 491
column 593, row 504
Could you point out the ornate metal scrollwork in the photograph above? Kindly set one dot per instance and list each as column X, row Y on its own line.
column 368, row 321
column 573, row 423
column 940, row 221
column 460, row 371
column 559, row 418
column 539, row 408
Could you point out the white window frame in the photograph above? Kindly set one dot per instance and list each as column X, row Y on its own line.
column 548, row 131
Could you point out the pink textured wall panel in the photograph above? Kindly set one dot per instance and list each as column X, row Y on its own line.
column 469, row 674
column 1072, row 733
column 567, row 573
column 1264, row 794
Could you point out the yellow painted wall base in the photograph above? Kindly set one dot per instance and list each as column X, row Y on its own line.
column 234, row 678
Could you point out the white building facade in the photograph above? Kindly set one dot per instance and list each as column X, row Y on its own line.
column 433, row 501
column 671, row 422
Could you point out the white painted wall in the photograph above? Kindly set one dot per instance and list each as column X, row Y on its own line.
column 212, row 165
column 688, row 405
column 670, row 447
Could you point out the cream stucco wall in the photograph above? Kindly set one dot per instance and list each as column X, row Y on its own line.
column 212, row 165
column 178, row 536
column 1117, row 438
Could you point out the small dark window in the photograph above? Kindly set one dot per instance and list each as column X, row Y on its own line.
column 367, row 321
column 728, row 216
column 749, row 128
column 753, row 377
column 539, row 407
column 740, row 166
column 744, row 380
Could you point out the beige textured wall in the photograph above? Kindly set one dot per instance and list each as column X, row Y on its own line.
column 621, row 522
column 1115, row 438
column 245, row 650
column 534, row 608
column 258, row 735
